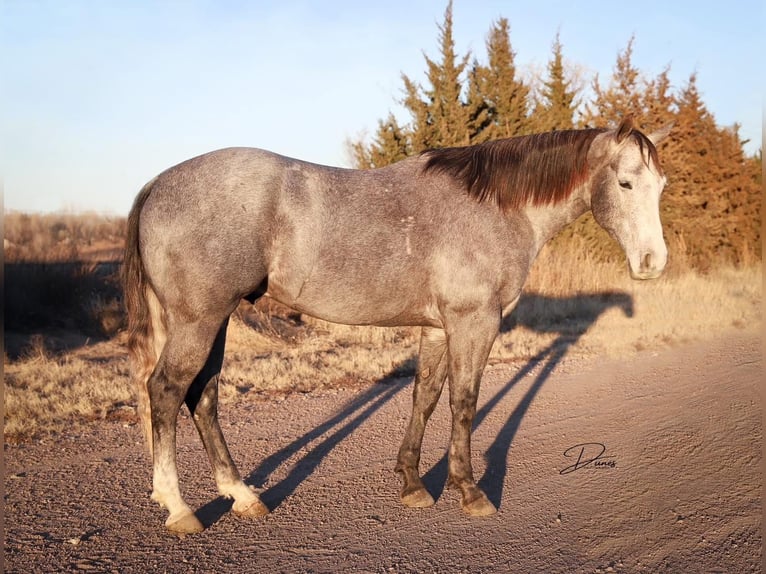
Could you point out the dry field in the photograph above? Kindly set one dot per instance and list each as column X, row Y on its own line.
column 65, row 362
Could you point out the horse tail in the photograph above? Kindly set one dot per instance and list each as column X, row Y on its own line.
column 147, row 331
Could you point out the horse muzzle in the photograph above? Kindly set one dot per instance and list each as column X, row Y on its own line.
column 650, row 265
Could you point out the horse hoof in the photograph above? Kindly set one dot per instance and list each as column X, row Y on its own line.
column 480, row 506
column 419, row 498
column 184, row 524
column 255, row 509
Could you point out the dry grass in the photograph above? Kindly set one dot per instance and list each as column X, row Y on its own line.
column 570, row 298
column 329, row 356
column 62, row 236
column 44, row 392
column 604, row 312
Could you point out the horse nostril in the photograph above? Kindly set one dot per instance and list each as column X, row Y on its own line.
column 646, row 262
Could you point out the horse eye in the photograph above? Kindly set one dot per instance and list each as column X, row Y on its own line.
column 626, row 185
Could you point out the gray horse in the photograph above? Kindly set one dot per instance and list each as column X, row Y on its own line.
column 444, row 241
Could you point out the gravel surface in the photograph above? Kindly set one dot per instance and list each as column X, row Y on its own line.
column 677, row 487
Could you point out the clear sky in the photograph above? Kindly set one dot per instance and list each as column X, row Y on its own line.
column 98, row 96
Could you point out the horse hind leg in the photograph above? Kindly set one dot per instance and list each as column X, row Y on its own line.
column 202, row 401
column 183, row 357
column 429, row 381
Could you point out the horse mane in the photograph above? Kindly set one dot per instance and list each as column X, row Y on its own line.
column 541, row 168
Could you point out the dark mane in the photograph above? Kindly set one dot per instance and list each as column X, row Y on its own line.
column 541, row 169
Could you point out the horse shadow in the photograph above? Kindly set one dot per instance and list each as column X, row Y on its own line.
column 568, row 317
column 332, row 432
column 55, row 307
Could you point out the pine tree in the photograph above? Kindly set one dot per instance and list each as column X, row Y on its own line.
column 714, row 199
column 558, row 100
column 441, row 118
column 505, row 96
column 620, row 98
column 391, row 144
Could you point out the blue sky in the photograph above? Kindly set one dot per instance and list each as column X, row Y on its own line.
column 97, row 97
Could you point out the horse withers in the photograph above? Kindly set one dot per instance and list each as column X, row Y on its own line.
column 444, row 241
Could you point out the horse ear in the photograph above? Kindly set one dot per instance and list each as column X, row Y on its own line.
column 660, row 134
column 626, row 126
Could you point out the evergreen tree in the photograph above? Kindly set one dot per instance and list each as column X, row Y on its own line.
column 620, row 98
column 558, row 101
column 421, row 129
column 441, row 119
column 478, row 108
column 506, row 97
column 714, row 200
column 391, row 144
column 658, row 104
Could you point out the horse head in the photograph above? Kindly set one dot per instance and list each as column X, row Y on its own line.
column 625, row 198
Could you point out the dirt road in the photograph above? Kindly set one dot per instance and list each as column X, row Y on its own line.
column 676, row 489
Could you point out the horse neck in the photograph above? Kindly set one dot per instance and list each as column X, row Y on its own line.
column 548, row 220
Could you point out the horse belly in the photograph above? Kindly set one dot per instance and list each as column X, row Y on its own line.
column 356, row 300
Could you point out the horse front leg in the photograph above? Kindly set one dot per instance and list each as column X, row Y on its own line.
column 202, row 401
column 469, row 339
column 429, row 380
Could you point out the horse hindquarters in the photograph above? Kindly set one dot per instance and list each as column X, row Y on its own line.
column 177, row 348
